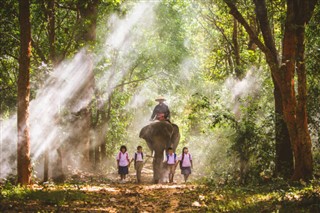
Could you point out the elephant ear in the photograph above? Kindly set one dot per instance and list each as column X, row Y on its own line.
column 175, row 138
column 144, row 132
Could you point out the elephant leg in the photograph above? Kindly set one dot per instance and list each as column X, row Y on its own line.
column 157, row 167
column 156, row 172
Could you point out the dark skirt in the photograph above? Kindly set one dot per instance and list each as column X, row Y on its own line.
column 123, row 170
column 186, row 170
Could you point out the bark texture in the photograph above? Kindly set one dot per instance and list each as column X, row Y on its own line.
column 23, row 151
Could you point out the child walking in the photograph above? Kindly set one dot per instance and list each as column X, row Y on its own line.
column 123, row 163
column 138, row 162
column 171, row 163
column 185, row 163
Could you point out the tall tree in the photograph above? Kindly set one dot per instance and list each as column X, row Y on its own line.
column 88, row 11
column 24, row 161
column 50, row 15
column 283, row 74
column 295, row 106
column 284, row 156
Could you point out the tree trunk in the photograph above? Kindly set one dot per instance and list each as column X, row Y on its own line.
column 304, row 165
column 51, row 30
column 89, row 13
column 105, row 118
column 92, row 146
column 294, row 109
column 236, row 48
column 284, row 155
column 298, row 14
column 59, row 175
column 46, row 166
column 284, row 159
column 50, row 13
column 23, row 151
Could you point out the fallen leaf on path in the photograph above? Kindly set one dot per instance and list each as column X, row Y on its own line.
column 201, row 197
column 196, row 204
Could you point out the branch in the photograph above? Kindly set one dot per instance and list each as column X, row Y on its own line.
column 214, row 21
column 67, row 7
column 38, row 51
column 11, row 55
column 262, row 16
column 74, row 29
column 237, row 15
column 209, row 33
column 310, row 6
column 134, row 81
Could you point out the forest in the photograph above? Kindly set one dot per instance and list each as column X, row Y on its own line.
column 81, row 78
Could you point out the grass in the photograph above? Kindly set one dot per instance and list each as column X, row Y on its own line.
column 57, row 196
column 272, row 197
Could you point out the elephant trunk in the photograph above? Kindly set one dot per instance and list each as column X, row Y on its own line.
column 157, row 166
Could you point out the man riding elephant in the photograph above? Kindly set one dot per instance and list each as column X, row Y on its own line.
column 160, row 136
column 161, row 112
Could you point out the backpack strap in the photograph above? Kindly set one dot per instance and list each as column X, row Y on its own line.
column 127, row 157
column 142, row 155
column 135, row 159
column 182, row 159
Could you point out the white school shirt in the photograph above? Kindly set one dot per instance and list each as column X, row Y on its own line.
column 186, row 160
column 170, row 159
column 139, row 156
column 123, row 159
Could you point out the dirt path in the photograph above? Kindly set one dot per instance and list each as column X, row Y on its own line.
column 89, row 193
column 150, row 198
column 126, row 197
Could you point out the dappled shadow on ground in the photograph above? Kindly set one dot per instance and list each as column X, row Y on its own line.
column 89, row 192
column 86, row 192
column 108, row 197
column 130, row 197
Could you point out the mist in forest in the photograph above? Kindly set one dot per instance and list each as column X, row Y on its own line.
column 241, row 88
column 68, row 90
column 210, row 147
column 54, row 113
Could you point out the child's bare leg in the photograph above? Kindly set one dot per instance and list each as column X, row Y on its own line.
column 186, row 178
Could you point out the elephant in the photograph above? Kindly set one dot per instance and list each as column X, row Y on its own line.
column 159, row 136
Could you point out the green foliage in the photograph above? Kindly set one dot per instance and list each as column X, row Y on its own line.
column 9, row 34
column 249, row 143
column 47, row 197
column 155, row 58
column 187, row 54
column 313, row 78
column 272, row 197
